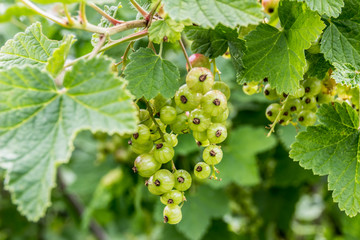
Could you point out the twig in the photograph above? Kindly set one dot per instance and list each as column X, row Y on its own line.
column 95, row 228
column 131, row 37
column 83, row 24
column 105, row 15
column 151, row 45
column 161, row 48
column 82, row 13
column 98, row 47
column 185, row 54
column 126, row 26
column 124, row 57
column 43, row 13
column 68, row 15
column 139, row 8
column 149, row 17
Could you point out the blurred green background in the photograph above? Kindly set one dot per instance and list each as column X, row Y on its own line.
column 263, row 193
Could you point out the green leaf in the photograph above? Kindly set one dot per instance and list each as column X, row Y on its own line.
column 31, row 47
column 148, row 75
column 318, row 65
column 346, row 74
column 239, row 162
column 340, row 41
column 279, row 55
column 331, row 8
column 167, row 27
column 209, row 13
column 332, row 148
column 38, row 124
column 207, row 203
column 74, row 1
column 57, row 60
column 211, row 42
column 15, row 11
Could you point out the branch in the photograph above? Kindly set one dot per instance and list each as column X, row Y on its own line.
column 131, row 37
column 95, row 228
column 126, row 26
column 139, row 8
column 44, row 14
column 83, row 24
column 149, row 17
column 112, row 20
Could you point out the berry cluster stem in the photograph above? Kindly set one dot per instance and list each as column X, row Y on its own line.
column 173, row 166
column 185, row 54
column 213, row 174
column 151, row 113
column 273, row 125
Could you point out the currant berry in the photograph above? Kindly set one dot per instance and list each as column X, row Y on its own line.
column 159, row 102
column 187, row 100
column 180, row 126
column 142, row 135
column 221, row 117
column 161, row 182
column 222, row 87
column 198, row 60
column 270, row 6
column 152, row 187
column 324, row 98
column 172, row 214
column 200, row 80
column 182, row 180
column 140, row 148
column 250, row 88
column 214, row 103
column 312, row 86
column 300, row 92
column 200, row 136
column 285, row 120
column 202, row 170
column 163, row 152
column 307, row 118
column 309, row 102
column 270, row 93
column 217, row 133
column 272, row 111
column 144, row 117
column 174, row 197
column 146, row 165
column 203, row 143
column 212, row 154
column 198, row 121
column 293, row 106
column 171, row 139
column 168, row 114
